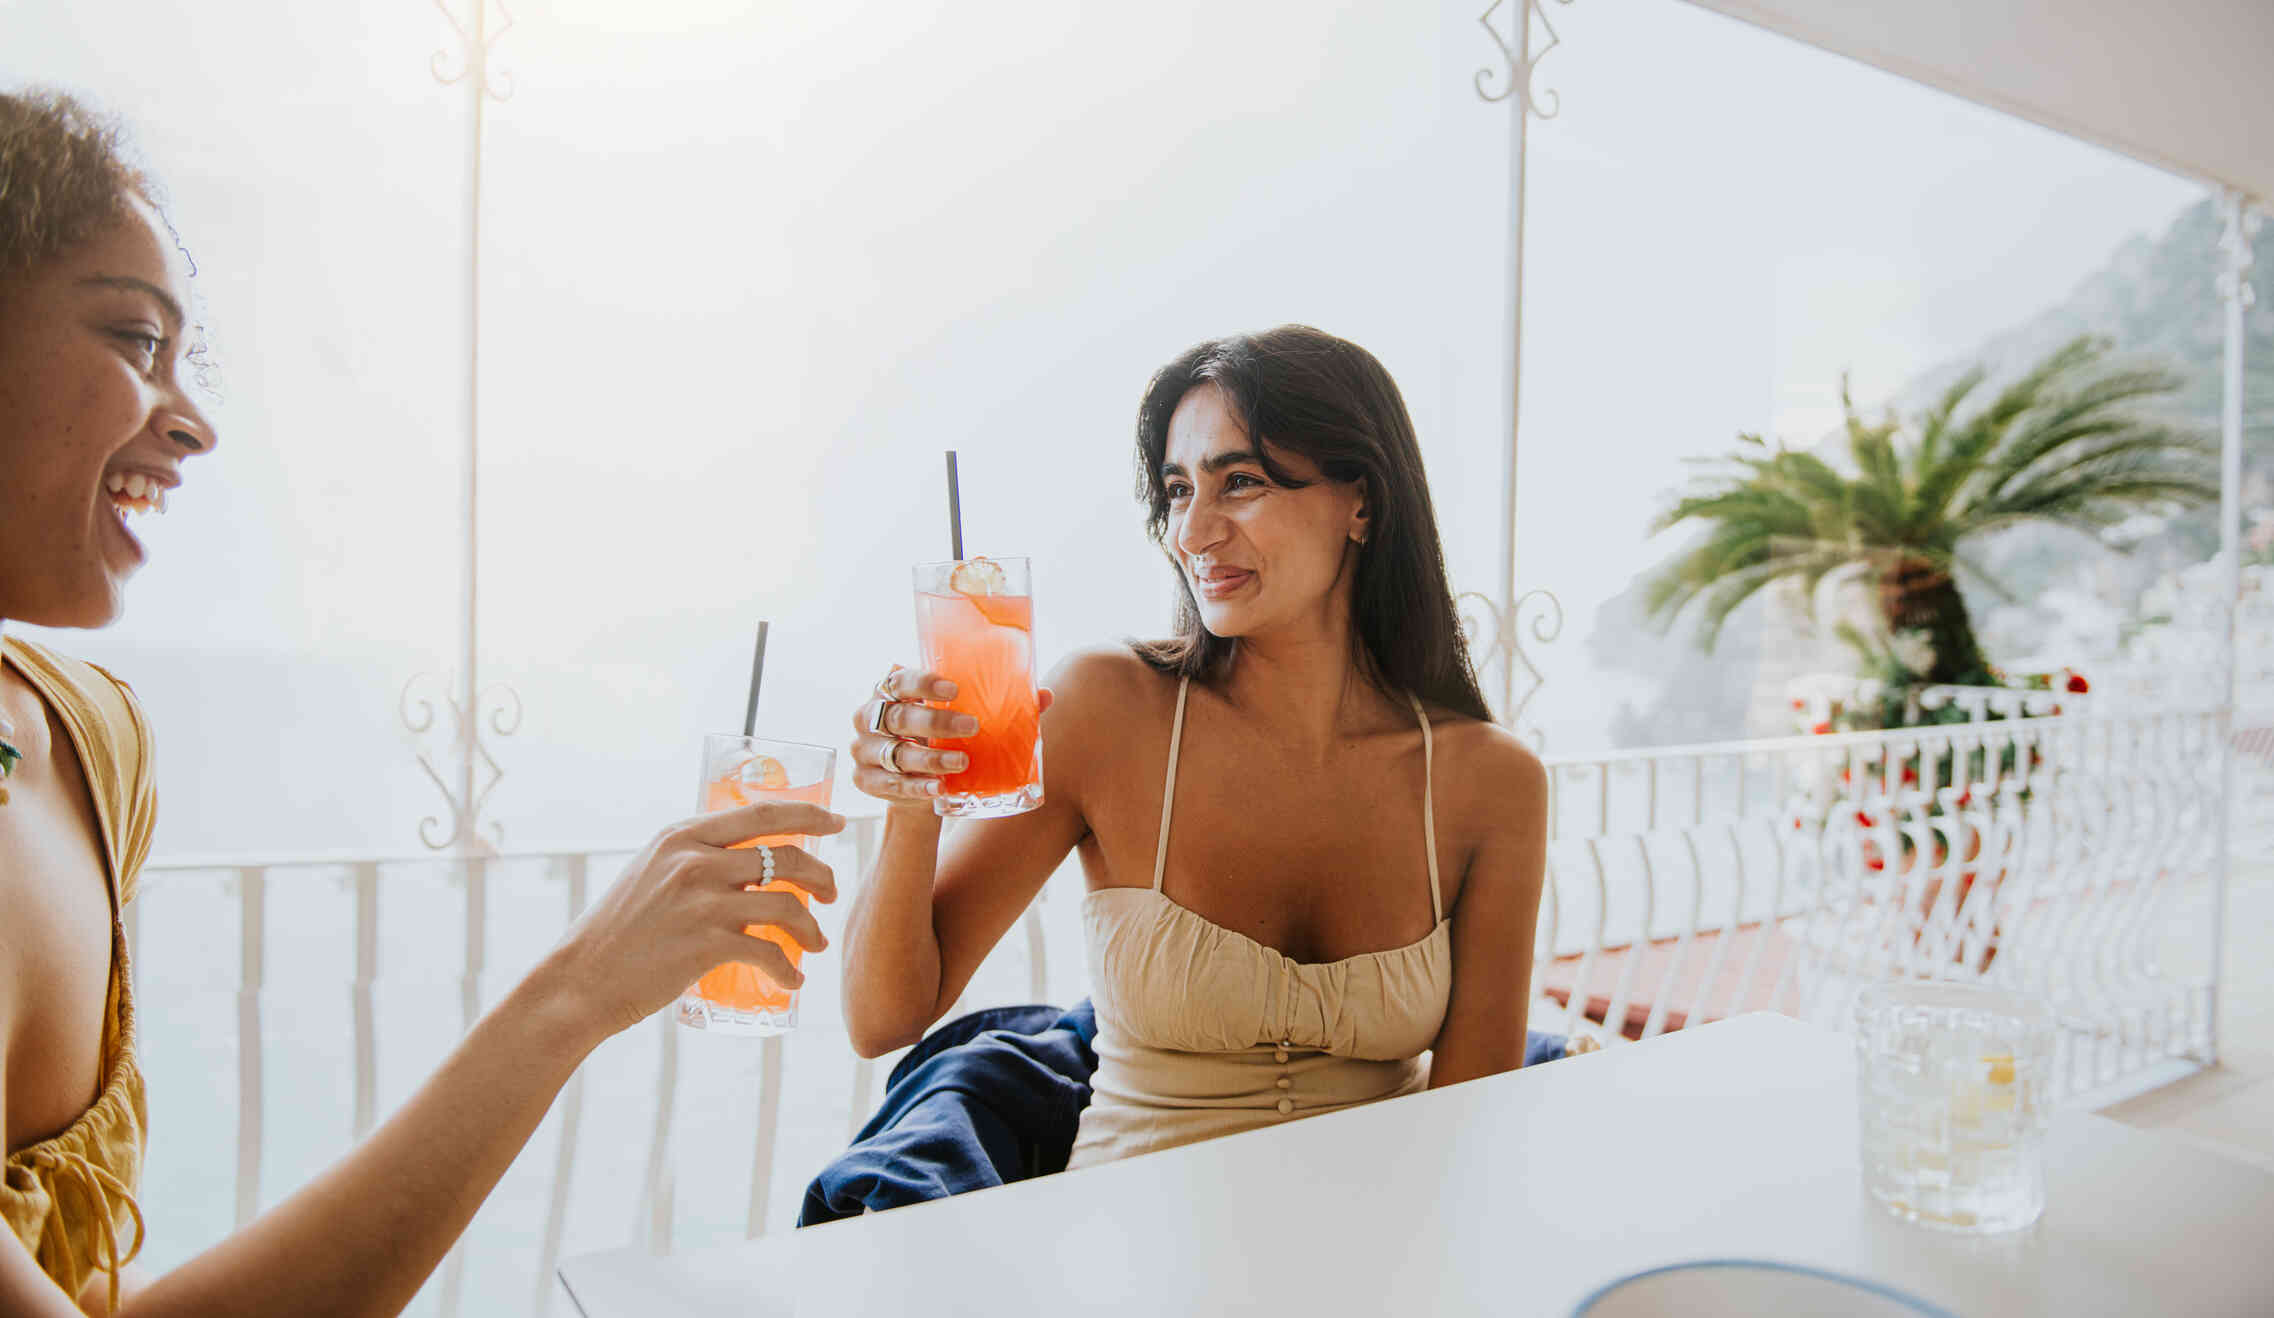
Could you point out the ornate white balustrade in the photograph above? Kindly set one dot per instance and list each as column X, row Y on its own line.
column 1688, row 884
column 1684, row 884
column 454, row 910
column 1818, row 692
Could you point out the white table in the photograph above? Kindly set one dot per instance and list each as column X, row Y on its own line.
column 1520, row 1194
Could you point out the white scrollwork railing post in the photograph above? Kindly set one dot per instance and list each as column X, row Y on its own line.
column 1496, row 636
column 477, row 770
column 1517, row 53
column 1514, row 84
column 474, row 772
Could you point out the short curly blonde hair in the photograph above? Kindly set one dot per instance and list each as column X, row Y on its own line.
column 63, row 175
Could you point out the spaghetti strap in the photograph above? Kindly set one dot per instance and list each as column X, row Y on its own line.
column 1428, row 807
column 1168, row 793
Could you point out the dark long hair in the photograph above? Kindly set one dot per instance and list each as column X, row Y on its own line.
column 1300, row 390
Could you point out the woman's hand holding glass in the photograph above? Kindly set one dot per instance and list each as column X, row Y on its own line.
column 681, row 905
column 891, row 758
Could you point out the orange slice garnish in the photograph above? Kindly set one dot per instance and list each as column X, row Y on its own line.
column 763, row 773
column 979, row 576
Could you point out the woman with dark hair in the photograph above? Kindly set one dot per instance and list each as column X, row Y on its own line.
column 97, row 425
column 1311, row 856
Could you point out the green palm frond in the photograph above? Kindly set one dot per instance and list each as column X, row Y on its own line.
column 1934, row 426
column 2180, row 454
column 1983, row 432
column 1873, row 449
column 2063, row 444
column 1720, row 599
column 2097, row 501
column 2099, row 409
column 2024, row 393
column 1823, row 570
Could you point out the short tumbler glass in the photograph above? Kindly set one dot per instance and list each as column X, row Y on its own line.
column 1951, row 1086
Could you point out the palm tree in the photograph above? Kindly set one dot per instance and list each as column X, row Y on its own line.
column 2066, row 444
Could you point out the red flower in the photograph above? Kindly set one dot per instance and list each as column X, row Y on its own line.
column 1798, row 703
column 1910, row 775
column 1820, row 729
column 2078, row 685
column 1866, row 821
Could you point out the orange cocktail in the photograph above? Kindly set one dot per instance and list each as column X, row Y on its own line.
column 975, row 622
column 738, row 998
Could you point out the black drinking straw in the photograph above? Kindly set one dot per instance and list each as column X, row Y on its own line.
column 954, row 508
column 757, row 675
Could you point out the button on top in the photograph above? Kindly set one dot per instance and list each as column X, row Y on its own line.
column 1285, row 1083
column 1286, row 1105
column 1279, row 1056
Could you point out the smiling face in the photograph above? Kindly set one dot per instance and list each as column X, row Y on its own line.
column 94, row 419
column 1259, row 557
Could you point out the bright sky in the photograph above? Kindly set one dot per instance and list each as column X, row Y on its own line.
column 750, row 267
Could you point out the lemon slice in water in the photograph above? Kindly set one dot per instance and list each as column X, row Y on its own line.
column 763, row 773
column 979, row 576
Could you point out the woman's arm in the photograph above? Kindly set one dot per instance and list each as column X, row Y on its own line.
column 1497, row 915
column 933, row 908
column 362, row 1238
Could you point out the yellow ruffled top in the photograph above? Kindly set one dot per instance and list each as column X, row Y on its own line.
column 70, row 1198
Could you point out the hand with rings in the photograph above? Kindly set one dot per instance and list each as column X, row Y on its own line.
column 688, row 903
column 893, row 759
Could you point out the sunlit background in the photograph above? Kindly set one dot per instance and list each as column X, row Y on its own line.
column 746, row 269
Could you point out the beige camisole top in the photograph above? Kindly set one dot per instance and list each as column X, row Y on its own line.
column 1203, row 1031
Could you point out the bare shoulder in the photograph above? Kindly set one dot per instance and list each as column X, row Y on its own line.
column 1095, row 694
column 1106, row 680
column 1496, row 780
column 1116, row 669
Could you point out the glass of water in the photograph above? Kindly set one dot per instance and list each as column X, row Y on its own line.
column 1951, row 1084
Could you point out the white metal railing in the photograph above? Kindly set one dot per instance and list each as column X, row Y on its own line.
column 1690, row 883
column 1684, row 884
column 1815, row 694
column 249, row 882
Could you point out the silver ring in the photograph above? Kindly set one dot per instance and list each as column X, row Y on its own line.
column 883, row 686
column 766, row 863
column 876, row 720
column 889, row 761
